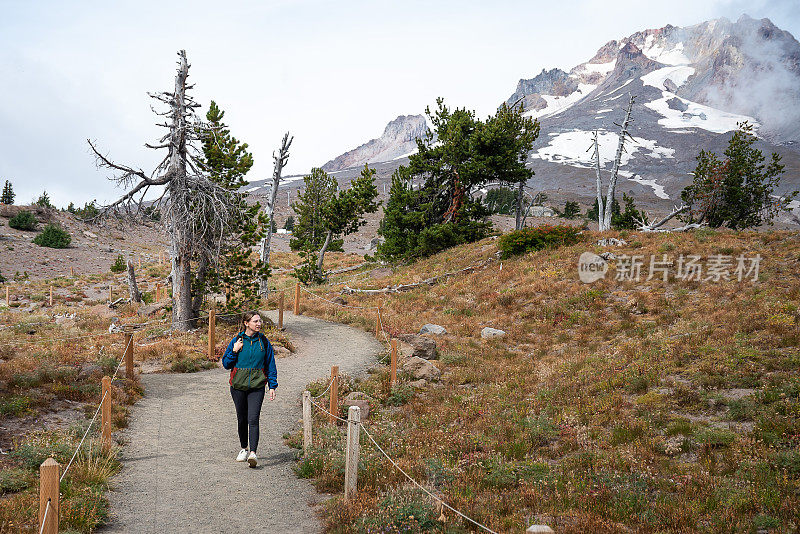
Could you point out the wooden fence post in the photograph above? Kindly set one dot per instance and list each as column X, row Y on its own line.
column 280, row 310
column 351, row 458
column 49, row 475
column 378, row 320
column 51, row 296
column 105, row 420
column 8, row 301
column 139, row 263
column 110, row 293
column 334, row 393
column 158, row 292
column 393, row 368
column 297, row 298
column 129, row 356
column 212, row 325
column 71, row 270
column 307, row 422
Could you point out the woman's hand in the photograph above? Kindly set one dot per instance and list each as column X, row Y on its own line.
column 238, row 345
column 272, row 394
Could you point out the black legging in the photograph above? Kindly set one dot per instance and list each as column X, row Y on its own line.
column 248, row 410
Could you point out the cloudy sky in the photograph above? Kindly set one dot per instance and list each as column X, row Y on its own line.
column 331, row 73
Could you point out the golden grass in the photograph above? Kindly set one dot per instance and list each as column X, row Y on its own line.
column 570, row 417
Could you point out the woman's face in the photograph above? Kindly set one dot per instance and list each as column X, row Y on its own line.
column 254, row 323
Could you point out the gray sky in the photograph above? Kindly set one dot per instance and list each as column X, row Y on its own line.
column 332, row 73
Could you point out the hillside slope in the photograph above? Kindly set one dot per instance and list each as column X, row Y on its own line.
column 644, row 406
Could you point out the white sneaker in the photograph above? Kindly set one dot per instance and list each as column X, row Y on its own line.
column 252, row 459
column 242, row 456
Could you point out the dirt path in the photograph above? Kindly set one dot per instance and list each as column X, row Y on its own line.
column 179, row 473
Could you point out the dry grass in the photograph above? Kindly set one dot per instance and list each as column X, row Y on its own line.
column 618, row 405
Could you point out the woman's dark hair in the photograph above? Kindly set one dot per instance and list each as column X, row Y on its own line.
column 246, row 316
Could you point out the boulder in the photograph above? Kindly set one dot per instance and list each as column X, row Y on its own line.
column 421, row 368
column 418, row 384
column 423, row 347
column 489, row 333
column 357, row 398
column 432, row 329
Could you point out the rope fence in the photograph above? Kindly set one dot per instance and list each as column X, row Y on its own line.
column 51, row 476
column 349, row 453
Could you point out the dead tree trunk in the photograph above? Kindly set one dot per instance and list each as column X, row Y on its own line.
column 280, row 162
column 520, row 219
column 133, row 289
column 321, row 259
column 600, row 203
column 194, row 208
column 612, row 185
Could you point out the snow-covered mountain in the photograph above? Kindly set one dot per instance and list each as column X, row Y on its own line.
column 398, row 140
column 692, row 86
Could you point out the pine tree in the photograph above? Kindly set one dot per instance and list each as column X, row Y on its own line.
column 44, row 200
column 455, row 160
column 736, row 191
column 337, row 214
column 309, row 227
column 8, row 194
column 236, row 271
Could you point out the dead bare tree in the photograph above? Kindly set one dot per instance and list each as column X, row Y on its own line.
column 133, row 289
column 193, row 207
column 604, row 208
column 644, row 226
column 280, row 162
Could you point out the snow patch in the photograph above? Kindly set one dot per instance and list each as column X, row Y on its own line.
column 674, row 56
column 678, row 75
column 606, row 110
column 600, row 68
column 557, row 104
column 696, row 115
column 571, row 148
column 658, row 190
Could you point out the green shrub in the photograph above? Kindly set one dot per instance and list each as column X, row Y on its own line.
column 402, row 510
column 14, row 480
column 119, row 265
column 15, row 405
column 537, row 238
column 53, row 236
column 401, row 394
column 714, row 437
column 24, row 220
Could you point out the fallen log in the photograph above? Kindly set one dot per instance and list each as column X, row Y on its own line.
column 346, row 290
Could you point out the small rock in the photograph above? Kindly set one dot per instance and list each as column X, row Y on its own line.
column 488, row 332
column 608, row 256
column 87, row 233
column 611, row 242
column 421, row 368
column 339, row 300
column 357, row 398
column 418, row 384
column 424, row 347
column 432, row 329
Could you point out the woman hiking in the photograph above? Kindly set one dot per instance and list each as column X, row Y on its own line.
column 252, row 362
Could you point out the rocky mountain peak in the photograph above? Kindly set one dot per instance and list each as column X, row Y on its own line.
column 398, row 139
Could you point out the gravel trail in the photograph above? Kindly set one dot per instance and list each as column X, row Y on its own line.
column 178, row 470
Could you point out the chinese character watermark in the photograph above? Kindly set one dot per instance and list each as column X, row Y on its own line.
column 690, row 267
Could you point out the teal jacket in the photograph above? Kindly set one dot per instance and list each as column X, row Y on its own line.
column 256, row 353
